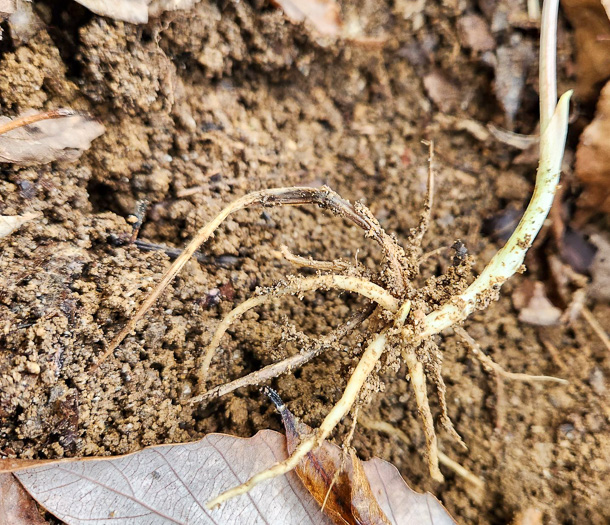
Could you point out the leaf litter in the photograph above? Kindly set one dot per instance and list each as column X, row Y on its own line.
column 40, row 138
column 172, row 483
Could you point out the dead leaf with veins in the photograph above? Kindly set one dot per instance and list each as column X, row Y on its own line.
column 172, row 483
column 40, row 138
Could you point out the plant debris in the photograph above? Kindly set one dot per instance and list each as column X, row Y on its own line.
column 534, row 306
column 135, row 11
column 356, row 492
column 16, row 506
column 323, row 15
column 593, row 158
column 10, row 223
column 63, row 136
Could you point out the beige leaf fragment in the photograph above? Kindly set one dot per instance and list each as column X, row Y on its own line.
column 9, row 223
column 6, row 7
column 16, row 506
column 442, row 91
column 533, row 305
column 474, row 33
column 400, row 503
column 135, row 11
column 45, row 141
column 593, row 157
column 323, row 15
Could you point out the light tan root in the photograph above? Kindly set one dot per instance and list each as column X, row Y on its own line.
column 298, row 286
column 284, row 366
column 597, row 327
column 418, row 382
column 292, row 196
column 435, row 374
column 391, row 430
column 491, row 366
column 307, row 262
column 365, row 366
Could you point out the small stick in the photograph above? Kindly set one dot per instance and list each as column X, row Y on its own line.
column 391, row 430
column 297, row 286
column 597, row 328
column 20, row 122
column 276, row 369
column 308, row 262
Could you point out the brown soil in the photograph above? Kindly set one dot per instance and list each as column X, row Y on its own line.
column 230, row 98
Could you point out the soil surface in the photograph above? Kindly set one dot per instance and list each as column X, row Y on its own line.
column 204, row 106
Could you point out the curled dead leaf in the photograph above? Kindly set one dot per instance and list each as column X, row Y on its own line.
column 591, row 30
column 355, row 492
column 135, row 11
column 10, row 223
column 593, row 157
column 56, row 135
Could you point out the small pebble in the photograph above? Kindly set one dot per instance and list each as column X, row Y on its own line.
column 32, row 368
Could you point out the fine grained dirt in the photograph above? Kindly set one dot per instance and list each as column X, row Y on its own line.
column 226, row 99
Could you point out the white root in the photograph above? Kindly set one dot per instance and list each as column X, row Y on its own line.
column 391, row 430
column 418, row 383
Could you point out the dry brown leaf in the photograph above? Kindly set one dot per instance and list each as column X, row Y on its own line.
column 135, row 11
column 358, row 493
column 9, row 223
column 591, row 32
column 593, row 157
column 16, row 506
column 64, row 138
column 324, row 15
column 172, row 483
